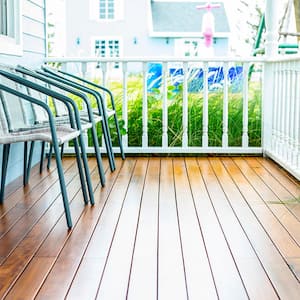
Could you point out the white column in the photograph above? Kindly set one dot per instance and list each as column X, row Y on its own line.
column 272, row 26
column 271, row 50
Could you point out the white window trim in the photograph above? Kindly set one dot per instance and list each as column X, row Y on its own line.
column 107, row 38
column 13, row 45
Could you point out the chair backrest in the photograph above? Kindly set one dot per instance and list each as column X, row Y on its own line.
column 40, row 115
column 59, row 107
column 3, row 118
column 19, row 114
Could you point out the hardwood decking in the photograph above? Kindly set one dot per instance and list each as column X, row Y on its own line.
column 161, row 228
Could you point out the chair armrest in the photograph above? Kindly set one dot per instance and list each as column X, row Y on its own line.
column 83, row 88
column 64, row 87
column 71, row 106
column 32, row 100
column 112, row 101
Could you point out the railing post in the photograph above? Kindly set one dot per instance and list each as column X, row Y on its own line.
column 271, row 18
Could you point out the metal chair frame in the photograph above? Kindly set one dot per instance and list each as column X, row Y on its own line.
column 48, row 134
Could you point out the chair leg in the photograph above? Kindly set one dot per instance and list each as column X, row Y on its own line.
column 81, row 173
column 42, row 156
column 86, row 169
column 62, row 184
column 98, row 156
column 108, row 144
column 49, row 156
column 27, row 162
column 62, row 147
column 119, row 136
column 5, row 156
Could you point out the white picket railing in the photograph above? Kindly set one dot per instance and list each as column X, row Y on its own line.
column 282, row 113
column 279, row 79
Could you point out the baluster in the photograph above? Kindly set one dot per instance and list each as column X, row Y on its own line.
column 281, row 110
column 292, row 124
column 297, row 116
column 276, row 101
column 286, row 114
column 245, row 137
column 145, row 107
column 104, row 69
column 124, row 104
column 225, row 107
column 185, row 106
column 165, row 105
column 83, row 69
column 279, row 115
column 205, row 106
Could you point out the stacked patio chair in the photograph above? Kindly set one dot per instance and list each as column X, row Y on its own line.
column 17, row 126
column 86, row 113
column 102, row 91
column 88, row 119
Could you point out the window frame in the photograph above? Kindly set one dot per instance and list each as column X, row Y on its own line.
column 11, row 43
column 188, row 47
column 107, row 40
column 96, row 6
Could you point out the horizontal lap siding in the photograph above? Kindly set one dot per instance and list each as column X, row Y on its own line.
column 34, row 51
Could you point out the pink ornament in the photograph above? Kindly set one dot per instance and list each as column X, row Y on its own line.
column 208, row 23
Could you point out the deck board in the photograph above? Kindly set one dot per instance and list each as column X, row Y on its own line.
column 161, row 228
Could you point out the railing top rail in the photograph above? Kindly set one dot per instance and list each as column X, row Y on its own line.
column 283, row 58
column 154, row 59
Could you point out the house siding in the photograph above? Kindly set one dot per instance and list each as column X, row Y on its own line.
column 34, row 51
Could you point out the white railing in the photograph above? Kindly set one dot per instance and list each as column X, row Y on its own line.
column 282, row 113
column 200, row 81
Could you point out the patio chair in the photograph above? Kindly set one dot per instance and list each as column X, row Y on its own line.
column 87, row 117
column 99, row 111
column 15, row 127
column 109, row 112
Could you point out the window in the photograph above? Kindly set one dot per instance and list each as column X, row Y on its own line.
column 107, row 48
column 188, row 47
column 10, row 27
column 108, row 10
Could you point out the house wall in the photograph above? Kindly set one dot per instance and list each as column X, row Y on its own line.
column 135, row 26
column 34, row 51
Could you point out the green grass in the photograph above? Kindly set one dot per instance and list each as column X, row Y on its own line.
column 195, row 109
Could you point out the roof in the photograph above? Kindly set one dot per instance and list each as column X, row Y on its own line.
column 182, row 18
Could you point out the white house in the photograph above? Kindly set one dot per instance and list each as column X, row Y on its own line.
column 119, row 28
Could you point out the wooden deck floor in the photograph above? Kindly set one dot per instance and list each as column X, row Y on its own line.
column 161, row 228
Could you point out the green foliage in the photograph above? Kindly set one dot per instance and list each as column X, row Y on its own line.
column 195, row 116
column 175, row 115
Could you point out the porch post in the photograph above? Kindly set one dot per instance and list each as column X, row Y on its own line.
column 271, row 21
column 271, row 51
